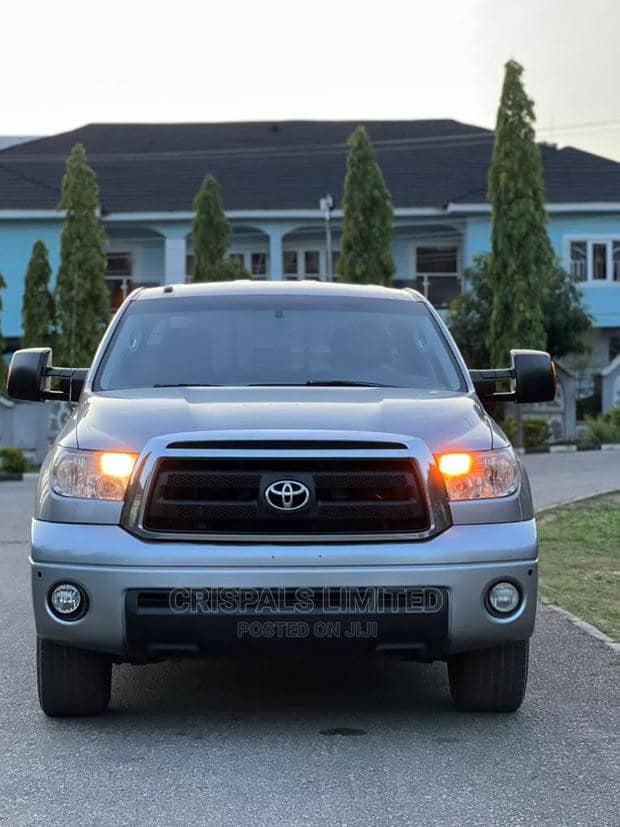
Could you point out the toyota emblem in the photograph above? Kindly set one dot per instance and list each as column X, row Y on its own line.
column 287, row 495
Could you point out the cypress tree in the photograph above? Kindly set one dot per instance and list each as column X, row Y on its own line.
column 567, row 322
column 3, row 369
column 522, row 257
column 211, row 236
column 367, row 233
column 38, row 304
column 82, row 299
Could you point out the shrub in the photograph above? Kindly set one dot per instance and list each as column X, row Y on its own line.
column 536, row 432
column 12, row 460
column 613, row 416
column 605, row 428
column 587, row 442
column 509, row 427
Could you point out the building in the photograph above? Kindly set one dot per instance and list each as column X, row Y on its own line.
column 272, row 177
column 11, row 140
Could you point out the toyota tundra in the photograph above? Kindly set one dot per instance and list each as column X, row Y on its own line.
column 280, row 465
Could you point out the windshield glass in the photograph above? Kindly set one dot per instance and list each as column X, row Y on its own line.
column 278, row 340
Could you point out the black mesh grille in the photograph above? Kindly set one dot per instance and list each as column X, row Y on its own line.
column 226, row 496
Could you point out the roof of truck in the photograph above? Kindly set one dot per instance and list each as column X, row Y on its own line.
column 282, row 288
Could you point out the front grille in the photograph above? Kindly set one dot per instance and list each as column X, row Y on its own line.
column 225, row 496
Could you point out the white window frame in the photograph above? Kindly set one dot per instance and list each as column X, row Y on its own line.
column 590, row 240
column 301, row 251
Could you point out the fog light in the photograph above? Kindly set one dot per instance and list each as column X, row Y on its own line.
column 67, row 601
column 504, row 597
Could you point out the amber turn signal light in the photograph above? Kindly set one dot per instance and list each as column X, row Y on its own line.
column 455, row 465
column 116, row 464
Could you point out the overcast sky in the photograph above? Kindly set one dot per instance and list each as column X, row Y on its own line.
column 66, row 63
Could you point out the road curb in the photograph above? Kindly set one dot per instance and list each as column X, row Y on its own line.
column 573, row 500
column 588, row 628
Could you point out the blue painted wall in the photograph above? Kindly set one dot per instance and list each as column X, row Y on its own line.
column 16, row 240
column 18, row 236
column 602, row 300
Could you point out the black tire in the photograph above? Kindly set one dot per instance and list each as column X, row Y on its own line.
column 490, row 680
column 72, row 681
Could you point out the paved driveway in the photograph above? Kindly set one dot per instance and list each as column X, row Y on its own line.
column 237, row 741
column 559, row 477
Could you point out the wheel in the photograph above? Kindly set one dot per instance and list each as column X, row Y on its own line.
column 72, row 681
column 490, row 680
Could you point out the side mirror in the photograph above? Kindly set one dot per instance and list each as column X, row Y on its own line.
column 532, row 378
column 30, row 373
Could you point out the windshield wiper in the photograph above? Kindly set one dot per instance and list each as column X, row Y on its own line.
column 187, row 385
column 325, row 383
column 344, row 383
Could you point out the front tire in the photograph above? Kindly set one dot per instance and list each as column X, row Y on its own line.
column 72, row 681
column 490, row 680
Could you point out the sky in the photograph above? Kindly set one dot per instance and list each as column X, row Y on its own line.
column 66, row 63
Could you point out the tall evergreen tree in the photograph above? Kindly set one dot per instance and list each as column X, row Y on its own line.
column 82, row 299
column 38, row 303
column 367, row 233
column 211, row 236
column 522, row 257
column 567, row 322
column 2, row 362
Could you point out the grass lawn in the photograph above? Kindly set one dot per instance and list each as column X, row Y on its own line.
column 580, row 560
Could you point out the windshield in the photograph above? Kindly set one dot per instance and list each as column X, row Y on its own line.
column 278, row 340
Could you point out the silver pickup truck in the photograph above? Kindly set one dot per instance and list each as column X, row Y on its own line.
column 281, row 465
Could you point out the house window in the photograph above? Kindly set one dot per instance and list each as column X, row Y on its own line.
column 436, row 260
column 118, row 277
column 595, row 259
column 579, row 260
column 289, row 262
column 258, row 264
column 118, row 264
column 189, row 264
column 311, row 263
column 437, row 272
column 599, row 261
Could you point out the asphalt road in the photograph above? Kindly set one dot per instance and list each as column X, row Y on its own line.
column 303, row 741
column 559, row 477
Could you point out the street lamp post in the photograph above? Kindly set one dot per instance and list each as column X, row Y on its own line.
column 327, row 204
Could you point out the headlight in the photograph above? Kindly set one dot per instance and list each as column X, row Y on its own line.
column 480, row 474
column 93, row 475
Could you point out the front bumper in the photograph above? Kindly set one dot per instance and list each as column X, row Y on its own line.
column 110, row 564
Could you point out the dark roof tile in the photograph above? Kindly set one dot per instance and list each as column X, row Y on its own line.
column 282, row 165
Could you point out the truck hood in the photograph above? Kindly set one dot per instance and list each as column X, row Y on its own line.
column 127, row 420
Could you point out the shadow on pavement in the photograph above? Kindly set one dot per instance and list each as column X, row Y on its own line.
column 279, row 688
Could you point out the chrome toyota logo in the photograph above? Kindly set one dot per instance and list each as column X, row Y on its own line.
column 287, row 495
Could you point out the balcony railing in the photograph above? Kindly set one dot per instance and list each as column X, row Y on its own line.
column 438, row 288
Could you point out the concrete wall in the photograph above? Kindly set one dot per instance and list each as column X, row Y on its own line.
column 25, row 425
column 610, row 386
